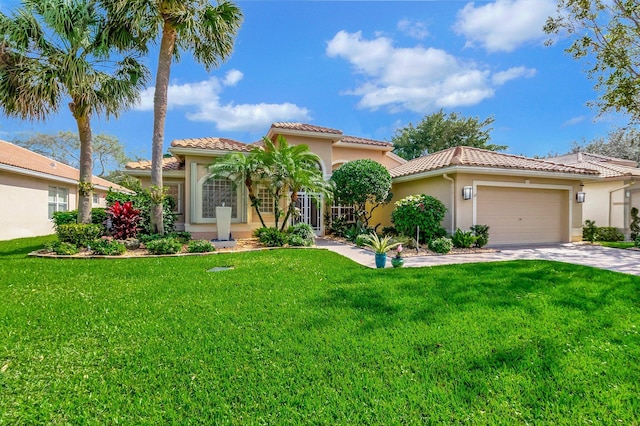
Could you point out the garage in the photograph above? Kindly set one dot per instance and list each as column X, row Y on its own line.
column 523, row 215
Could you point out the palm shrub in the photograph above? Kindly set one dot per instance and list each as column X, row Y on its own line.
column 419, row 211
column 481, row 232
column 442, row 245
column 462, row 239
column 379, row 245
column 125, row 220
column 271, row 237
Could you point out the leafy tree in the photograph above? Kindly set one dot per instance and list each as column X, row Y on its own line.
column 108, row 153
column 621, row 143
column 365, row 184
column 439, row 131
column 422, row 212
column 55, row 52
column 193, row 25
column 609, row 32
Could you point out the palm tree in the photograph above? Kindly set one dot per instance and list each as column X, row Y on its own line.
column 57, row 50
column 245, row 169
column 196, row 25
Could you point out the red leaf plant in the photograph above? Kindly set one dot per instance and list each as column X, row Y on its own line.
column 124, row 220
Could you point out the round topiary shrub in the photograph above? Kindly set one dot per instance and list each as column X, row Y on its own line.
column 200, row 246
column 422, row 211
column 442, row 245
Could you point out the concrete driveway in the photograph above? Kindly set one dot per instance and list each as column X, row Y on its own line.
column 625, row 261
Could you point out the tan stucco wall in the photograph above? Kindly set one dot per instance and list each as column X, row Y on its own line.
column 605, row 203
column 343, row 155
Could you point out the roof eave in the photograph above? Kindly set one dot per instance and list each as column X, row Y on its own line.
column 202, row 151
column 292, row 132
column 363, row 146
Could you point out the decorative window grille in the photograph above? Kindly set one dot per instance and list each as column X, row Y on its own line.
column 218, row 192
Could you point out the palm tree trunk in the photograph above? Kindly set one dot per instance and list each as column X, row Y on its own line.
column 159, row 117
column 86, row 168
column 291, row 208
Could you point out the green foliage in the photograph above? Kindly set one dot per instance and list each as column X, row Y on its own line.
column 634, row 226
column 589, row 230
column 356, row 229
column 62, row 248
column 389, row 230
column 271, row 237
column 405, row 241
column 361, row 240
column 636, row 242
column 481, row 232
column 79, row 234
column 301, row 234
column 442, row 245
column 609, row 233
column 124, row 220
column 379, row 245
column 163, row 246
column 338, row 226
column 98, row 217
column 107, row 247
column 200, row 246
column 439, row 131
column 620, row 143
column 142, row 200
column 462, row 239
column 183, row 237
column 422, row 211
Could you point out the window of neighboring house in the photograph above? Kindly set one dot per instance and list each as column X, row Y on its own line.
column 174, row 190
column 266, row 200
column 219, row 192
column 96, row 199
column 58, row 200
column 348, row 212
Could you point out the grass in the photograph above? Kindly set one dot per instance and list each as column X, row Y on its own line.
column 617, row 244
column 305, row 336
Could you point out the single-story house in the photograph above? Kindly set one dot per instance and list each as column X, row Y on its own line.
column 523, row 200
column 33, row 187
column 610, row 199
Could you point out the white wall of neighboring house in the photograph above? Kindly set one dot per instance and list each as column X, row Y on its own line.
column 605, row 203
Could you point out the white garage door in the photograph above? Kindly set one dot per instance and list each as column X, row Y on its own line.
column 523, row 216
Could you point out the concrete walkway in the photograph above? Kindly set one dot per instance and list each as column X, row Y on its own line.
column 625, row 261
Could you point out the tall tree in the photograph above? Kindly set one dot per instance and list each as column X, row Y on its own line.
column 609, row 32
column 439, row 131
column 53, row 51
column 194, row 25
column 107, row 151
column 621, row 143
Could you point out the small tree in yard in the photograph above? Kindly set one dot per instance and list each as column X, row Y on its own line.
column 420, row 211
column 363, row 184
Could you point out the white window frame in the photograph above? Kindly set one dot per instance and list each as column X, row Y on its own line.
column 180, row 197
column 58, row 202
column 263, row 194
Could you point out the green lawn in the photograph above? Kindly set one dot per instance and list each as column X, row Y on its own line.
column 306, row 336
column 617, row 244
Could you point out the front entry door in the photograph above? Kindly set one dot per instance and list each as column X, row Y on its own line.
column 310, row 207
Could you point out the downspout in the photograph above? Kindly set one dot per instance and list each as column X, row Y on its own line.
column 453, row 201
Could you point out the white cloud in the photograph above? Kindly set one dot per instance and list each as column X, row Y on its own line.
column 504, row 25
column 415, row 29
column 573, row 121
column 202, row 101
column 417, row 79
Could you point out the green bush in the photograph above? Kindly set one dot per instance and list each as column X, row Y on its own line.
column 296, row 241
column 180, row 236
column 98, row 217
column 361, row 240
column 142, row 200
column 356, row 229
column 79, row 234
column 389, row 230
column 462, row 239
column 338, row 226
column 200, row 246
column 637, row 241
column 589, row 230
column 407, row 242
column 107, row 247
column 271, row 237
column 481, row 232
column 163, row 246
column 305, row 232
column 634, row 226
column 62, row 248
column 442, row 245
column 422, row 211
column 609, row 234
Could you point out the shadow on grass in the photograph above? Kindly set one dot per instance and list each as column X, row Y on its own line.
column 20, row 248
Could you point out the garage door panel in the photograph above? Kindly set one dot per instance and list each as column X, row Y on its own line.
column 523, row 216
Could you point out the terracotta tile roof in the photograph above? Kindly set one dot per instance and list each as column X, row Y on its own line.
column 608, row 167
column 364, row 141
column 609, row 170
column 215, row 144
column 475, row 157
column 578, row 157
column 171, row 163
column 16, row 156
column 305, row 128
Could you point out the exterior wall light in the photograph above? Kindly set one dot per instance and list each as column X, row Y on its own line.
column 580, row 196
column 467, row 192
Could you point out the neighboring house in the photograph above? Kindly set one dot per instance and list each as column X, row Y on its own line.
column 187, row 178
column 523, row 200
column 609, row 200
column 33, row 187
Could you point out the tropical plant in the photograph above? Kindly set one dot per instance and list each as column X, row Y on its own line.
column 442, row 245
column 422, row 212
column 481, row 232
column 108, row 247
column 200, row 246
column 62, row 248
column 462, row 239
column 609, row 234
column 379, row 245
column 124, row 220
column 634, row 226
column 163, row 246
column 301, row 234
column 271, row 237
column 79, row 234
column 365, row 184
column 52, row 50
column 142, row 200
column 206, row 30
column 589, row 230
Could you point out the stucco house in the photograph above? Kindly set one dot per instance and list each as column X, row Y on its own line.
column 608, row 200
column 33, row 187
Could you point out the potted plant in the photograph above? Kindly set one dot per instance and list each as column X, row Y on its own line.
column 380, row 246
column 397, row 261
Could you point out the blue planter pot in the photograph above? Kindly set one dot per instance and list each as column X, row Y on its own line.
column 381, row 260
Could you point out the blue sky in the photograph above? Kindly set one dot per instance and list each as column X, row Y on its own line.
column 369, row 68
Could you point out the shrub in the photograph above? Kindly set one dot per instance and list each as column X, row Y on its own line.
column 589, row 230
column 182, row 237
column 296, row 241
column 361, row 240
column 141, row 200
column 637, row 241
column 338, row 226
column 407, row 242
column 356, row 229
column 634, row 226
column 98, row 215
column 107, row 247
column 462, row 239
column 442, row 245
column 79, row 234
column 163, row 246
column 63, row 248
column 422, row 211
column 609, row 234
column 124, row 219
column 389, row 230
column 145, row 238
column 304, row 231
column 380, row 245
column 200, row 246
column 481, row 232
column 64, row 218
column 271, row 237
